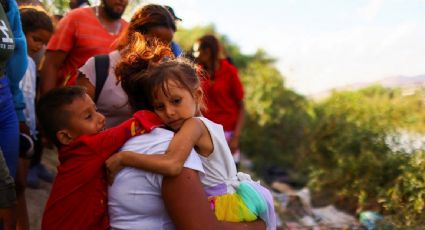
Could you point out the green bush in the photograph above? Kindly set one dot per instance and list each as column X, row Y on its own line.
column 349, row 145
column 277, row 120
column 404, row 202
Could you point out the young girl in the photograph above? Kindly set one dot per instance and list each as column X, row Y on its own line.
column 37, row 27
column 172, row 90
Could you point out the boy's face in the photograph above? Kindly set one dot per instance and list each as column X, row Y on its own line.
column 36, row 40
column 83, row 119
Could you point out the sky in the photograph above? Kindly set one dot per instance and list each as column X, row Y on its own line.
column 322, row 44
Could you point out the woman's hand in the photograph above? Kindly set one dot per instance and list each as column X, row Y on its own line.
column 113, row 166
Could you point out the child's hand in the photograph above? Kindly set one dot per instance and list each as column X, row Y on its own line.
column 113, row 166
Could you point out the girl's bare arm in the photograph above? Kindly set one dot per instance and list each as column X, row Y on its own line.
column 168, row 164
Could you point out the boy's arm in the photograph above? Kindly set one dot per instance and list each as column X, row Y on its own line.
column 169, row 164
column 110, row 140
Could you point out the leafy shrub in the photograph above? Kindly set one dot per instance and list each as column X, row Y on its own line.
column 350, row 145
column 404, row 202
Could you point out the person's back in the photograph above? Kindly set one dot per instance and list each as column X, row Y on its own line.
column 135, row 198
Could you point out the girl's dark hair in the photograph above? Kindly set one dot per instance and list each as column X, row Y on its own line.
column 34, row 18
column 144, row 86
column 144, row 19
column 210, row 42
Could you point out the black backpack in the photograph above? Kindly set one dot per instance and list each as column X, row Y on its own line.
column 101, row 65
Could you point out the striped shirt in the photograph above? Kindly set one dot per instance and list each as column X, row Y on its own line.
column 81, row 35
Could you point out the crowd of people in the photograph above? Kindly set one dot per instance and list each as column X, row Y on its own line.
column 146, row 138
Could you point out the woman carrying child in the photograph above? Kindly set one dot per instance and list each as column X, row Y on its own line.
column 171, row 88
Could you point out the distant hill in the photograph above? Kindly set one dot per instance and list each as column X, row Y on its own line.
column 407, row 82
column 403, row 81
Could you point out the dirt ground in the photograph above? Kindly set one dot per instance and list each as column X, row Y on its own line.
column 36, row 198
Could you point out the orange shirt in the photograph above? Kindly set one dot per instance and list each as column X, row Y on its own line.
column 82, row 36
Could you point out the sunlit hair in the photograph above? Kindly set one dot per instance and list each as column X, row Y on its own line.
column 143, row 87
column 34, row 18
column 139, row 54
column 143, row 20
column 210, row 42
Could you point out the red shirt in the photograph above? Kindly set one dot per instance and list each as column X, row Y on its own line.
column 81, row 35
column 223, row 96
column 78, row 199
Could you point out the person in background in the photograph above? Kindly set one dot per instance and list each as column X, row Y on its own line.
column 151, row 21
column 38, row 28
column 177, row 50
column 78, row 4
column 81, row 34
column 223, row 91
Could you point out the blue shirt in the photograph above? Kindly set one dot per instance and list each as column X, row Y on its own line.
column 17, row 63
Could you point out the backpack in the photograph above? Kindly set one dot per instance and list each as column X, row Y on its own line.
column 101, row 65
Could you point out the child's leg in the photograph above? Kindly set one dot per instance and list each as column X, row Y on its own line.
column 231, row 208
column 263, row 210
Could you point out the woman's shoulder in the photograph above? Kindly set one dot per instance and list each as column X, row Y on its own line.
column 141, row 143
column 226, row 65
column 114, row 57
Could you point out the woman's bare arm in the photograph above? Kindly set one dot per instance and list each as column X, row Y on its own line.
column 82, row 80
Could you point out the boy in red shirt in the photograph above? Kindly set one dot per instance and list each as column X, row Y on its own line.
column 78, row 198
